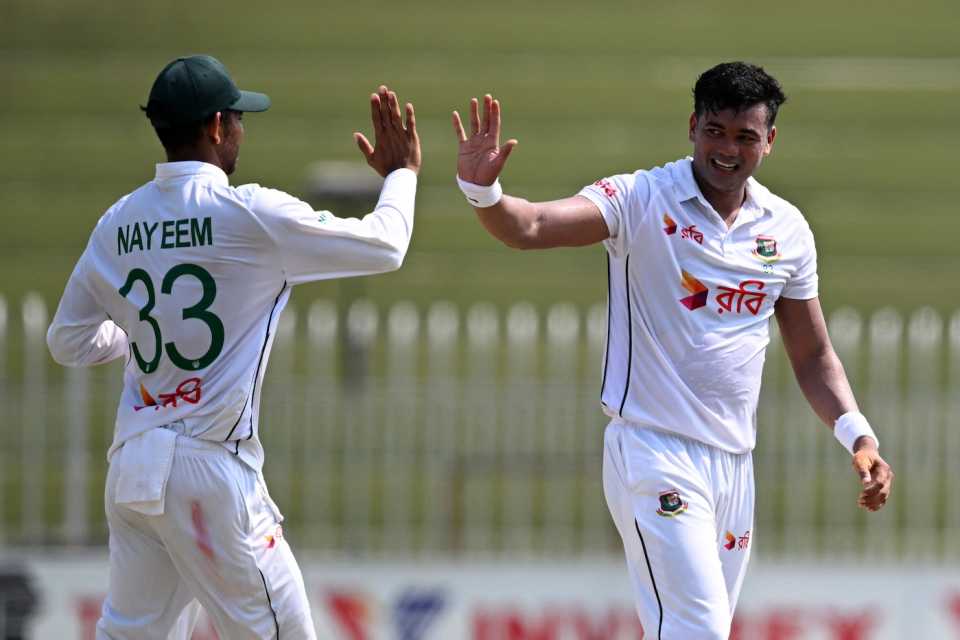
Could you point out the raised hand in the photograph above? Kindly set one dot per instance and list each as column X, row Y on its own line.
column 397, row 146
column 481, row 158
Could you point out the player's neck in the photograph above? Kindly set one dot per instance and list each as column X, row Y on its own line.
column 195, row 154
column 726, row 203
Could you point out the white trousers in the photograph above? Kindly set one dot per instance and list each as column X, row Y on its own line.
column 684, row 510
column 218, row 542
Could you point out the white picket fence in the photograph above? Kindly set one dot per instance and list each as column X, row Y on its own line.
column 447, row 430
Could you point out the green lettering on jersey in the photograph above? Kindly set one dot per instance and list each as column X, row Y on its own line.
column 201, row 232
column 183, row 233
column 166, row 240
column 136, row 240
column 123, row 240
column 150, row 230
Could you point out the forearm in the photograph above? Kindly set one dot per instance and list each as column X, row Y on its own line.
column 512, row 221
column 391, row 221
column 824, row 384
column 86, row 345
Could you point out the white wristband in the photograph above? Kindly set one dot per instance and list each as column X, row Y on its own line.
column 850, row 426
column 480, row 196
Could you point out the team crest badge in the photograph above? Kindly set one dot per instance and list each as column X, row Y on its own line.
column 767, row 249
column 671, row 504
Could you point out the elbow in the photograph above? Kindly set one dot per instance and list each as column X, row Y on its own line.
column 522, row 239
column 392, row 259
column 58, row 347
column 526, row 235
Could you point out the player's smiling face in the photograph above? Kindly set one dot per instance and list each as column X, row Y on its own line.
column 728, row 146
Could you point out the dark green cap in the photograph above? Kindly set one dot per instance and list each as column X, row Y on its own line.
column 192, row 89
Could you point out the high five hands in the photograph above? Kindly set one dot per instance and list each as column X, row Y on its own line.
column 396, row 146
column 481, row 158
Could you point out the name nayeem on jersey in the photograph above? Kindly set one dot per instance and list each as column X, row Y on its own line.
column 173, row 234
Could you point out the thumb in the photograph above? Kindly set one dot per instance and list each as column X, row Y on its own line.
column 862, row 465
column 505, row 150
column 365, row 147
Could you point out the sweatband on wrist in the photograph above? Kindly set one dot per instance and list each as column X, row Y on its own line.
column 850, row 426
column 480, row 196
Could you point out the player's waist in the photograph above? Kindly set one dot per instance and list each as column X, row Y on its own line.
column 189, row 442
column 735, row 439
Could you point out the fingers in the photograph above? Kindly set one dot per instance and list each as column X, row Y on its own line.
column 458, row 128
column 386, row 119
column 474, row 117
column 862, row 465
column 365, row 147
column 375, row 115
column 396, row 120
column 494, row 120
column 411, row 122
column 876, row 489
column 487, row 109
column 873, row 502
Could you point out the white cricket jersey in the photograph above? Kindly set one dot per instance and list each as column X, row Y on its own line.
column 187, row 276
column 690, row 300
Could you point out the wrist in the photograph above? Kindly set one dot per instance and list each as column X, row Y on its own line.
column 854, row 432
column 865, row 442
column 481, row 196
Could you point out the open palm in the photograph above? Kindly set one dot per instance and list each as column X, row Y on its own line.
column 481, row 158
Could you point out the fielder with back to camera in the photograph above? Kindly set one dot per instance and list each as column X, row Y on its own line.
column 699, row 257
column 186, row 277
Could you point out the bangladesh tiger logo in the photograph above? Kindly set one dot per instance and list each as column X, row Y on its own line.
column 767, row 249
column 671, row 504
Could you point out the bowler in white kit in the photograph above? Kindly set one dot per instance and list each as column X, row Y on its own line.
column 185, row 278
column 700, row 256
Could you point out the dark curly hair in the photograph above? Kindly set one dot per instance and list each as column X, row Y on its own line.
column 737, row 86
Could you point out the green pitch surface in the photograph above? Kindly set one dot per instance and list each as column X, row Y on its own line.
column 867, row 144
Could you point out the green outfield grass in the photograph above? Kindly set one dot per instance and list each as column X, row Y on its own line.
column 866, row 146
column 867, row 143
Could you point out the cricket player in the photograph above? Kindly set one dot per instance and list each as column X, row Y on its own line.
column 185, row 279
column 699, row 257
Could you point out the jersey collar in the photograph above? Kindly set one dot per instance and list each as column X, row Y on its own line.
column 686, row 188
column 169, row 171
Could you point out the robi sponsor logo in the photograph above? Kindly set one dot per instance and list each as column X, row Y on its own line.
column 187, row 391
column 669, row 226
column 732, row 542
column 692, row 233
column 746, row 297
column 698, row 292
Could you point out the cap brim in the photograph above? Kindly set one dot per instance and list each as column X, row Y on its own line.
column 251, row 101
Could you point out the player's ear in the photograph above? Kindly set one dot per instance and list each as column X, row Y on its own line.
column 771, row 135
column 214, row 128
column 693, row 125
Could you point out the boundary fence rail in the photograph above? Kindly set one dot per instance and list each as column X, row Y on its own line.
column 447, row 430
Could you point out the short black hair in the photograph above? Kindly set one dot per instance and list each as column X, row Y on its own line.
column 186, row 135
column 180, row 136
column 738, row 86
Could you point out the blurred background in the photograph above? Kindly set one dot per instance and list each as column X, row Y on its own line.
column 436, row 431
